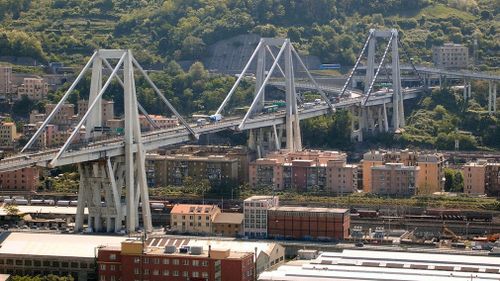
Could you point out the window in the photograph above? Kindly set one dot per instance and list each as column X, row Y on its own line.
column 156, row 272
column 112, row 257
column 166, row 261
column 137, row 260
column 204, row 274
column 196, row 274
column 146, row 260
column 196, row 263
column 103, row 267
column 112, row 267
column 166, row 272
column 102, row 278
column 137, row 271
column 175, row 262
column 146, row 271
column 185, row 262
column 185, row 274
column 204, row 263
column 175, row 273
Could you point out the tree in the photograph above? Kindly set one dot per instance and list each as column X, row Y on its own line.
column 11, row 210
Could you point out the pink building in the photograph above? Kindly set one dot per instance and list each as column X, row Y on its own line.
column 482, row 177
column 325, row 170
column 23, row 181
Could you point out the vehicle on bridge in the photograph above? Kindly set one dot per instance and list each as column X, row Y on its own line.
column 215, row 118
column 325, row 66
column 270, row 108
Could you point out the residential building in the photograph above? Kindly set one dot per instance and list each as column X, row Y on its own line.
column 135, row 260
column 64, row 117
column 482, row 177
column 228, row 224
column 8, row 134
column 429, row 179
column 5, row 80
column 365, row 265
column 255, row 210
column 450, row 56
column 174, row 169
column 185, row 218
column 22, row 181
column 304, row 170
column 431, row 175
column 286, row 222
column 33, row 88
column 162, row 122
column 32, row 254
column 107, row 108
column 394, row 179
column 36, row 117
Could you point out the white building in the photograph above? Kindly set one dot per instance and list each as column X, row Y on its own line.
column 364, row 265
column 255, row 211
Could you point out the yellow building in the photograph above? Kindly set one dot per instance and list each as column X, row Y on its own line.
column 187, row 218
column 8, row 133
column 430, row 175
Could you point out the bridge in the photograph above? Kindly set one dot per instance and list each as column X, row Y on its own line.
column 112, row 168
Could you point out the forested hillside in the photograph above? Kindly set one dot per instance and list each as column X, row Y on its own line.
column 334, row 30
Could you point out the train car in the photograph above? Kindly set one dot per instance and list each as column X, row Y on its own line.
column 157, row 206
column 62, row 203
column 478, row 216
column 2, row 198
column 368, row 213
column 22, row 202
column 73, row 203
column 8, row 201
column 280, row 103
column 36, row 202
column 49, row 202
column 270, row 108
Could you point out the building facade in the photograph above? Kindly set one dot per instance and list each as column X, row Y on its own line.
column 5, row 79
column 135, row 261
column 394, row 179
column 305, row 170
column 300, row 223
column 186, row 218
column 482, row 177
column 8, row 134
column 22, row 181
column 107, row 107
column 450, row 56
column 64, row 117
column 33, row 88
column 255, row 210
column 228, row 224
column 429, row 178
column 174, row 169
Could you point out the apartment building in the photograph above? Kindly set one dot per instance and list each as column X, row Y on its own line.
column 482, row 177
column 287, row 222
column 185, row 218
column 64, row 118
column 33, row 88
column 5, row 80
column 36, row 117
column 304, row 170
column 255, row 210
column 160, row 121
column 136, row 261
column 450, row 56
column 430, row 176
column 107, row 107
column 394, row 179
column 174, row 169
column 24, row 181
column 8, row 134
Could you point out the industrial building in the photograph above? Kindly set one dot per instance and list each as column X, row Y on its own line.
column 24, row 181
column 327, row 224
column 24, row 253
column 364, row 265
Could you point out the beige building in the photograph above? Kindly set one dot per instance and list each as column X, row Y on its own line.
column 394, row 179
column 255, row 210
column 36, row 117
column 33, row 88
column 341, row 178
column 64, row 117
column 108, row 109
column 5, row 79
column 228, row 224
column 8, row 134
column 450, row 56
column 482, row 177
column 198, row 219
column 429, row 179
column 161, row 122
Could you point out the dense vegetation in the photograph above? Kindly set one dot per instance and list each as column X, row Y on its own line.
column 182, row 29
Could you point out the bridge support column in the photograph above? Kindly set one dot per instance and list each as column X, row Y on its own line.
column 492, row 97
column 293, row 136
column 95, row 117
column 370, row 64
column 260, row 76
column 98, row 191
column 357, row 124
